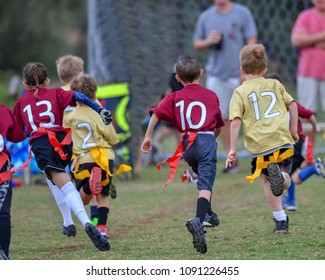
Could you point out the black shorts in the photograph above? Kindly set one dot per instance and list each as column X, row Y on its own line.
column 5, row 193
column 298, row 159
column 287, row 163
column 45, row 155
column 84, row 183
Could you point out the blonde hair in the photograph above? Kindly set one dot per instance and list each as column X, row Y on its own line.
column 253, row 59
column 68, row 67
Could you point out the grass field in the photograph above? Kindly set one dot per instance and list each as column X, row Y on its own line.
column 148, row 223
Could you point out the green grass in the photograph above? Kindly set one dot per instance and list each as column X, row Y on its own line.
column 147, row 222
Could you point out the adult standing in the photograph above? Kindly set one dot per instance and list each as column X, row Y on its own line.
column 308, row 34
column 224, row 29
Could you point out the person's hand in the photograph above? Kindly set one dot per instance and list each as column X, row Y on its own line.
column 106, row 116
column 231, row 158
column 295, row 136
column 146, row 145
column 214, row 38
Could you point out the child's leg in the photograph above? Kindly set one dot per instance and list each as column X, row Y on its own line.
column 317, row 168
column 103, row 210
column 203, row 204
column 5, row 218
column 61, row 203
column 93, row 211
column 71, row 195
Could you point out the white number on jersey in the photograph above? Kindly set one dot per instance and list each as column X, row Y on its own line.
column 268, row 112
column 48, row 112
column 2, row 143
column 187, row 115
column 85, row 144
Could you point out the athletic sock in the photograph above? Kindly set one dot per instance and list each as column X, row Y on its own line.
column 291, row 192
column 102, row 215
column 73, row 199
column 5, row 232
column 305, row 173
column 93, row 212
column 280, row 215
column 201, row 208
column 61, row 203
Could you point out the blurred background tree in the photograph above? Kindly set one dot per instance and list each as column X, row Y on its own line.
column 41, row 31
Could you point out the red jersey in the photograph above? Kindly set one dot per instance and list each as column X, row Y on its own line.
column 9, row 129
column 193, row 108
column 46, row 110
column 303, row 113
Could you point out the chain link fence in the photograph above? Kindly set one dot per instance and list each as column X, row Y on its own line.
column 139, row 41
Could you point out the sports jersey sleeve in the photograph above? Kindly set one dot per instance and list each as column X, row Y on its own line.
column 18, row 116
column 65, row 98
column 286, row 96
column 199, row 32
column 15, row 133
column 250, row 29
column 236, row 106
column 165, row 108
column 304, row 112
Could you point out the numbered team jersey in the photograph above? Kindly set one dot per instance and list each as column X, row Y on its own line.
column 89, row 131
column 9, row 129
column 262, row 105
column 46, row 110
column 193, row 108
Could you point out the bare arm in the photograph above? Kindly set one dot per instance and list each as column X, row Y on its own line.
column 234, row 132
column 301, row 38
column 313, row 121
column 203, row 44
column 293, row 111
column 146, row 145
column 251, row 40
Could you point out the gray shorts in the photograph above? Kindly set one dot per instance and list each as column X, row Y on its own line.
column 224, row 89
column 310, row 92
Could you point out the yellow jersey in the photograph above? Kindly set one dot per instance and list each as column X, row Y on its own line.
column 89, row 131
column 262, row 106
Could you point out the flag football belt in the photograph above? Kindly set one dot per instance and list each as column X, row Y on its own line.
column 174, row 160
column 262, row 164
column 100, row 157
column 55, row 142
column 6, row 175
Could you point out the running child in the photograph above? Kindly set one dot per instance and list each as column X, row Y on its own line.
column 39, row 112
column 194, row 111
column 261, row 105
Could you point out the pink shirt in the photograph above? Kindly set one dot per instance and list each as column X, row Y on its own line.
column 312, row 60
column 193, row 108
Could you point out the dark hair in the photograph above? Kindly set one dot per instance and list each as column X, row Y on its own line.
column 35, row 75
column 188, row 69
column 86, row 84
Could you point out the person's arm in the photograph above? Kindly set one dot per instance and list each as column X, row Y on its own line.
column 214, row 38
column 234, row 132
column 104, row 113
column 146, row 145
column 301, row 38
column 251, row 40
column 313, row 121
column 293, row 111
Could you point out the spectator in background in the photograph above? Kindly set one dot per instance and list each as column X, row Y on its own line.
column 308, row 34
column 224, row 29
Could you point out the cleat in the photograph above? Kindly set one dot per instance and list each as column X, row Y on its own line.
column 191, row 176
column 97, row 238
column 319, row 166
column 289, row 205
column 196, row 229
column 95, row 178
column 211, row 220
column 281, row 226
column 70, row 230
column 103, row 230
column 113, row 191
column 3, row 256
column 275, row 178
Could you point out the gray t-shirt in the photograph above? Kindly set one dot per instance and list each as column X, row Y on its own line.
column 236, row 27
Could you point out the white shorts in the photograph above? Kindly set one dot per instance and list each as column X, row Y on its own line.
column 310, row 92
column 224, row 89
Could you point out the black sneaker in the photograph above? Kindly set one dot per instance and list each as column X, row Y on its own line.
column 113, row 191
column 70, row 230
column 196, row 229
column 281, row 226
column 97, row 238
column 276, row 179
column 211, row 220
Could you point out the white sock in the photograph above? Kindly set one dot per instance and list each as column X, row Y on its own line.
column 74, row 200
column 61, row 203
column 280, row 215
